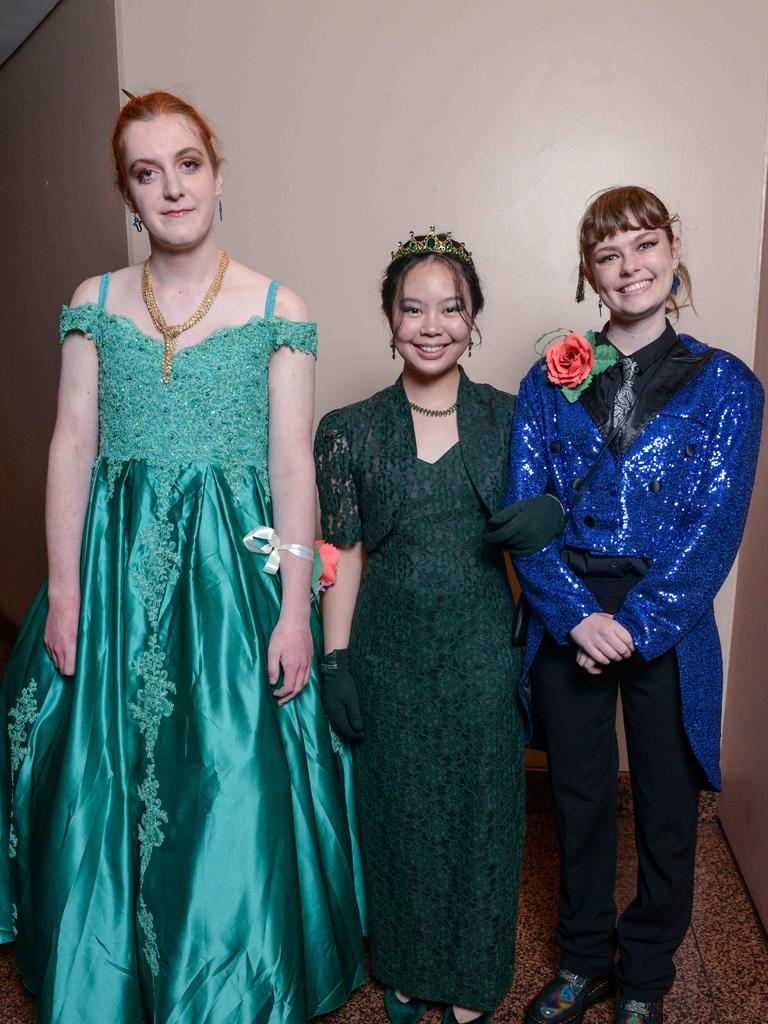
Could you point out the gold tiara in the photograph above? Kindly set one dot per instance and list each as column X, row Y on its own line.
column 433, row 243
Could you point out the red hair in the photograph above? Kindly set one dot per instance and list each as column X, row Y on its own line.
column 155, row 104
column 625, row 209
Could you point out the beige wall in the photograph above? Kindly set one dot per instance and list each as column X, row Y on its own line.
column 744, row 801
column 348, row 123
column 60, row 223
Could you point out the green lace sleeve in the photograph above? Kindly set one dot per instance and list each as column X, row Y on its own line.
column 339, row 506
column 78, row 318
column 296, row 334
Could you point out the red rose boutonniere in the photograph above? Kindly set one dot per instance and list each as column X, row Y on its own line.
column 571, row 360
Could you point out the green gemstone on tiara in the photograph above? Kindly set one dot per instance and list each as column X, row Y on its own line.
column 433, row 243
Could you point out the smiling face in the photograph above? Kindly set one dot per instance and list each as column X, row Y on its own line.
column 632, row 273
column 431, row 321
column 171, row 182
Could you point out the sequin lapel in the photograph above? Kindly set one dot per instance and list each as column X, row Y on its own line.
column 676, row 369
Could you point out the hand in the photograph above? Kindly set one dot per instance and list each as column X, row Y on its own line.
column 589, row 665
column 340, row 698
column 60, row 635
column 526, row 526
column 290, row 649
column 602, row 639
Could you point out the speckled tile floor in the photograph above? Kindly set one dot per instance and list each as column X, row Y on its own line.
column 722, row 967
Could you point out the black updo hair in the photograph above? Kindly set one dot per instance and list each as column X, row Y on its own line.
column 463, row 271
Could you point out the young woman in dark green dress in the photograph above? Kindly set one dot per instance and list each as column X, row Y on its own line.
column 419, row 626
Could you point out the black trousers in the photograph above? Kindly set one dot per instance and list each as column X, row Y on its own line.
column 576, row 713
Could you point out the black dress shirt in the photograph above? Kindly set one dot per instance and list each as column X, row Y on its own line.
column 648, row 359
column 611, row 577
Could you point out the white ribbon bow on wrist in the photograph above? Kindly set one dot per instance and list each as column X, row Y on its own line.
column 272, row 547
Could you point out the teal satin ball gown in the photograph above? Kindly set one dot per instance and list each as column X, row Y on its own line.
column 176, row 848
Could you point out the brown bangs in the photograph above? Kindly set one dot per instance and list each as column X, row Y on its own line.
column 622, row 209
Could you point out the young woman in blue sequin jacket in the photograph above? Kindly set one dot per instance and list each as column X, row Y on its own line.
column 622, row 600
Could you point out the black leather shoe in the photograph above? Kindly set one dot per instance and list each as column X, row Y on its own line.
column 566, row 999
column 403, row 1013
column 634, row 1011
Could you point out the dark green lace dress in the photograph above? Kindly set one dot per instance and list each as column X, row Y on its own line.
column 440, row 772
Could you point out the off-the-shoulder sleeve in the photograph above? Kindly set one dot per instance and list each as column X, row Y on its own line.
column 339, row 505
column 78, row 318
column 300, row 335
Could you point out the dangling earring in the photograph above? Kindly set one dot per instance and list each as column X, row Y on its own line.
column 580, row 284
column 600, row 307
column 469, row 349
column 676, row 282
column 221, row 210
column 137, row 223
column 392, row 346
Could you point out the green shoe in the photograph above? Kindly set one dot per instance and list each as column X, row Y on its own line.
column 449, row 1017
column 403, row 1013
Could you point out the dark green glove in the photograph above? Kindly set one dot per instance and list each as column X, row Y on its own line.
column 340, row 700
column 526, row 526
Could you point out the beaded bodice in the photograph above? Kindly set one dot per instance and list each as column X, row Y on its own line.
column 215, row 406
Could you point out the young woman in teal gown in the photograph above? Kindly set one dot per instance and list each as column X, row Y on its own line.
column 176, row 846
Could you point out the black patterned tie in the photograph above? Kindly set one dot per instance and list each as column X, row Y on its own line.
column 625, row 396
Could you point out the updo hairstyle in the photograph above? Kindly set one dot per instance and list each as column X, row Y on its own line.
column 463, row 271
column 156, row 104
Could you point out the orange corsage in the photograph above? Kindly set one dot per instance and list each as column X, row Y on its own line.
column 325, row 566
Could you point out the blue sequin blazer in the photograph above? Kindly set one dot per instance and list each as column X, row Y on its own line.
column 677, row 493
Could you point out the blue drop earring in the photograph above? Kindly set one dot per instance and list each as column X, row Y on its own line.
column 137, row 223
column 676, row 282
column 221, row 210
column 600, row 307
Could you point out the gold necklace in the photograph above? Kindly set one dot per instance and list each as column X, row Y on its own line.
column 433, row 412
column 171, row 332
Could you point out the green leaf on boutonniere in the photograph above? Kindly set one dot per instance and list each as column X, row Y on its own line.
column 317, row 571
column 605, row 356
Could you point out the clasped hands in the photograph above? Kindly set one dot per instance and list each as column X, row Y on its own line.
column 601, row 640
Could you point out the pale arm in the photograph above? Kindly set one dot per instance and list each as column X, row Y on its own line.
column 339, row 602
column 73, row 448
column 292, row 481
